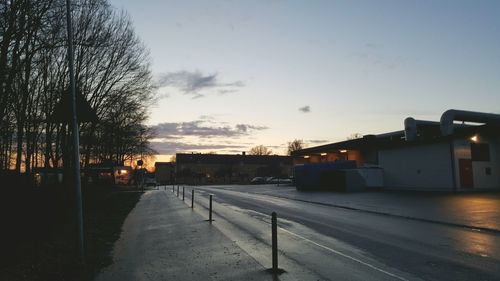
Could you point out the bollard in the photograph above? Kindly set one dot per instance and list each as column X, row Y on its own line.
column 177, row 191
column 274, row 230
column 183, row 193
column 210, row 210
column 192, row 199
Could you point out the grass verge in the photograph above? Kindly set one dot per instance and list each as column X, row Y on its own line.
column 41, row 240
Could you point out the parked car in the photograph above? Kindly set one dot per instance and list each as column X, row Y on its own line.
column 258, row 180
column 280, row 181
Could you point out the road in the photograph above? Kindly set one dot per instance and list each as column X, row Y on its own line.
column 319, row 242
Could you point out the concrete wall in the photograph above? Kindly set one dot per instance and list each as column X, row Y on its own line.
column 481, row 179
column 420, row 167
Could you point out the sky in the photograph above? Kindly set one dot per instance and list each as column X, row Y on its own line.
column 235, row 74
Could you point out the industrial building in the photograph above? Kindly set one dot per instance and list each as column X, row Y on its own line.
column 426, row 155
column 229, row 168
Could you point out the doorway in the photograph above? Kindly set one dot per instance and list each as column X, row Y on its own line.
column 465, row 170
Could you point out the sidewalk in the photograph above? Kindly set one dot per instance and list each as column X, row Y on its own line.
column 473, row 210
column 164, row 239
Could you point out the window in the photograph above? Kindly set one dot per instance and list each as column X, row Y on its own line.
column 480, row 151
column 488, row 171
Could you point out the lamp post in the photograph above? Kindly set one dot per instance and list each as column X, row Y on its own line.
column 76, row 142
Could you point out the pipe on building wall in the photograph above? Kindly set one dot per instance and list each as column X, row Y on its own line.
column 411, row 125
column 451, row 115
column 410, row 129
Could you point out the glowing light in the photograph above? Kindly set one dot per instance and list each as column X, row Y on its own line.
column 343, row 151
column 474, row 138
column 306, row 156
column 123, row 171
column 323, row 154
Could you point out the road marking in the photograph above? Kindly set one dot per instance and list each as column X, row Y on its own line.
column 329, row 249
column 344, row 255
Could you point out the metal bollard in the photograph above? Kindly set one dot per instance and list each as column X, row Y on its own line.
column 177, row 191
column 192, row 199
column 210, row 210
column 274, row 230
column 183, row 193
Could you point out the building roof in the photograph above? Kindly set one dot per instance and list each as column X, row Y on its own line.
column 164, row 164
column 364, row 142
column 427, row 134
column 182, row 158
column 63, row 113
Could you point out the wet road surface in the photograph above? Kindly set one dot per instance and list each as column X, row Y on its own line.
column 319, row 242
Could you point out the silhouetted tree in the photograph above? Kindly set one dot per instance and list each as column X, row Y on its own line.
column 354, row 136
column 173, row 158
column 260, row 150
column 112, row 72
column 294, row 145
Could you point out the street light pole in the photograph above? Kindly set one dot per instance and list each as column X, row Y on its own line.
column 76, row 142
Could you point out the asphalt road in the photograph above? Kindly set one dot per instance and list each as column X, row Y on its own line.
column 319, row 242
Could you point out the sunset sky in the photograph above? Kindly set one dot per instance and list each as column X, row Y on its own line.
column 235, row 74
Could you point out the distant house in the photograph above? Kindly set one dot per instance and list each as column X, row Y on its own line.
column 229, row 168
column 425, row 155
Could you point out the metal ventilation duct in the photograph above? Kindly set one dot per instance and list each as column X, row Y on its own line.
column 411, row 125
column 467, row 116
column 410, row 129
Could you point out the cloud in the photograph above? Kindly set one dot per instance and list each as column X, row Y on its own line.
column 198, row 84
column 372, row 55
column 204, row 134
column 246, row 128
column 305, row 109
column 371, row 45
column 175, row 147
column 207, row 117
column 204, row 129
column 317, row 141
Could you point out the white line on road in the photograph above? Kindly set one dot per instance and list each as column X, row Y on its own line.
column 334, row 251
column 345, row 255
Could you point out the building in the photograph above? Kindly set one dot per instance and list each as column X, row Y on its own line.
column 227, row 168
column 165, row 172
column 426, row 155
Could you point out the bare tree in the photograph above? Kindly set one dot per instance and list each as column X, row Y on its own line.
column 260, row 150
column 294, row 145
column 112, row 73
column 354, row 136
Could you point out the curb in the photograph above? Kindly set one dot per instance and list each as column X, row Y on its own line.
column 470, row 227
